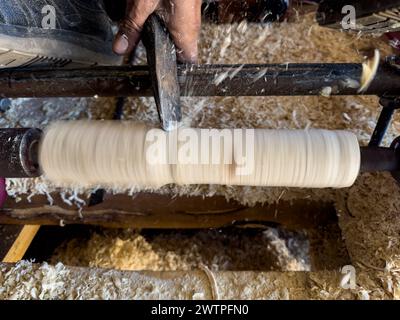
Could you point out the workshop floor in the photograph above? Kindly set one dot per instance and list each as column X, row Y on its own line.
column 368, row 212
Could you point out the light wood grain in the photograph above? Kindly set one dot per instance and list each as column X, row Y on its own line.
column 21, row 244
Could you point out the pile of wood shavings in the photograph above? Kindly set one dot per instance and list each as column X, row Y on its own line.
column 28, row 281
column 179, row 251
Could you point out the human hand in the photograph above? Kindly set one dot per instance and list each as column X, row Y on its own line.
column 182, row 17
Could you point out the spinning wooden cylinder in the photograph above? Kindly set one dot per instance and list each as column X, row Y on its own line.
column 124, row 155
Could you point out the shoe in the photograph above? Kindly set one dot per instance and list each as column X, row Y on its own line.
column 55, row 33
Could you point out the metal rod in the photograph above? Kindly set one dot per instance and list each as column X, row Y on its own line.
column 389, row 105
column 381, row 127
column 375, row 159
column 200, row 80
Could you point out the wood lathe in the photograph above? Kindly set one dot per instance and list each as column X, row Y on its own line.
column 167, row 81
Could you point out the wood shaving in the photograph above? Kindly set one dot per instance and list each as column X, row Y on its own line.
column 213, row 281
column 370, row 69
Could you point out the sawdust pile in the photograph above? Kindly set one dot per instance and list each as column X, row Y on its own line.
column 179, row 251
column 28, row 281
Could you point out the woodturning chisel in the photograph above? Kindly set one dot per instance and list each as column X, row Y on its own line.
column 162, row 62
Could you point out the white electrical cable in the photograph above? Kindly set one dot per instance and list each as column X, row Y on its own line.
column 115, row 154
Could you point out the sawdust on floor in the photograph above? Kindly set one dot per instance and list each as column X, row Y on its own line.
column 369, row 211
column 31, row 281
column 269, row 250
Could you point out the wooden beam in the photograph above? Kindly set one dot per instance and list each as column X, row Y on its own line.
column 21, row 244
column 148, row 210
